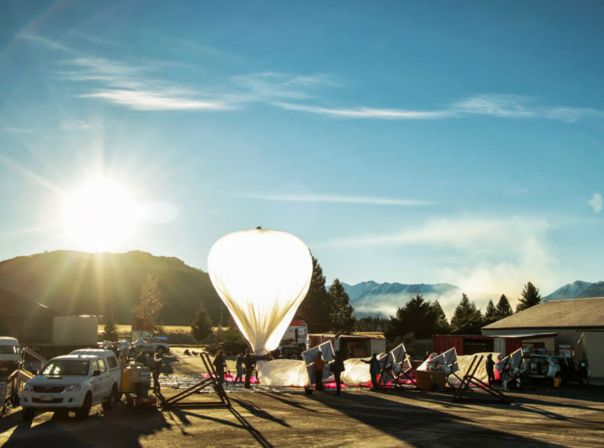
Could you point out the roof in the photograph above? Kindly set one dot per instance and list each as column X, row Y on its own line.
column 527, row 335
column 7, row 340
column 569, row 314
column 356, row 334
column 76, row 357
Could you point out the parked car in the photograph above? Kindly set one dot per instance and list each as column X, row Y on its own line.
column 542, row 367
column 574, row 371
column 10, row 355
column 73, row 382
column 152, row 344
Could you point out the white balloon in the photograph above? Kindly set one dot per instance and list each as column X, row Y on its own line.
column 262, row 276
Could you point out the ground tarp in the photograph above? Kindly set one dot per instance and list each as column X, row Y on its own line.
column 481, row 372
column 282, row 372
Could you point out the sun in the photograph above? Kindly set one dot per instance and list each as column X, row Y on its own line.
column 101, row 215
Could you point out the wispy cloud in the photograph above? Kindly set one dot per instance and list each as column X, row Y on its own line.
column 596, row 202
column 44, row 41
column 138, row 85
column 517, row 106
column 16, row 130
column 483, row 256
column 271, row 86
column 366, row 112
column 499, row 106
column 133, row 87
column 75, row 126
column 147, row 100
column 459, row 233
column 339, row 199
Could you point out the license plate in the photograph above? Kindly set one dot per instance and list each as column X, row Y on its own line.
column 47, row 398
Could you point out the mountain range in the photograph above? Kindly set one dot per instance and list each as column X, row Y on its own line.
column 372, row 298
column 108, row 284
column 576, row 290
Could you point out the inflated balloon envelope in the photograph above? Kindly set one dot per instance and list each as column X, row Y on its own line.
column 262, row 276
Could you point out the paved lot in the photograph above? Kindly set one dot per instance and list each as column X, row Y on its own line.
column 561, row 417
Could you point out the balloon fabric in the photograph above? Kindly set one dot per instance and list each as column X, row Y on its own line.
column 262, row 276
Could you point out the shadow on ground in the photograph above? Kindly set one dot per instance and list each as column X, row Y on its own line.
column 97, row 430
column 422, row 427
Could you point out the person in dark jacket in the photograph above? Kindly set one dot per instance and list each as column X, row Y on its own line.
column 374, row 369
column 337, row 367
column 248, row 363
column 219, row 364
column 158, row 358
column 318, row 366
column 239, row 367
column 490, row 367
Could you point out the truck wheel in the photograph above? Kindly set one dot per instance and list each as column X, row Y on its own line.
column 28, row 414
column 110, row 403
column 83, row 411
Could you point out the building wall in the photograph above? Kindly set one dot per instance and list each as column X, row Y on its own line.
column 594, row 343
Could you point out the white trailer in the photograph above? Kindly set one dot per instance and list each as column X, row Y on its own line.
column 75, row 331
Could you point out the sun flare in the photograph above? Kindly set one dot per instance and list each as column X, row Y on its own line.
column 100, row 215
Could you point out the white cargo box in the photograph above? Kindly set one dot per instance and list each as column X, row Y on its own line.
column 75, row 331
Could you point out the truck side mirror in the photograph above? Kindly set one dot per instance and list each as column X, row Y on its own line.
column 96, row 373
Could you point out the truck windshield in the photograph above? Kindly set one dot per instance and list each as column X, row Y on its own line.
column 67, row 367
column 8, row 350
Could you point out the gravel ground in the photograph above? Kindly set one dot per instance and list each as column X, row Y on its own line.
column 572, row 416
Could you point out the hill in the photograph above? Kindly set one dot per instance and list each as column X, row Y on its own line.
column 372, row 298
column 576, row 290
column 109, row 284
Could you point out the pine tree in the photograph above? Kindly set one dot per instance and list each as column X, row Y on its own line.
column 371, row 323
column 504, row 309
column 110, row 333
column 150, row 300
column 467, row 319
column 530, row 297
column 441, row 324
column 341, row 317
column 201, row 327
column 316, row 307
column 490, row 315
column 417, row 317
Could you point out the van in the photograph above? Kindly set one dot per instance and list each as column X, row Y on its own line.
column 10, row 355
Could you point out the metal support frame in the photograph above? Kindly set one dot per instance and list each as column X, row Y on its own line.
column 178, row 400
column 469, row 378
column 403, row 375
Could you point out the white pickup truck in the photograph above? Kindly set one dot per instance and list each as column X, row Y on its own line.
column 73, row 382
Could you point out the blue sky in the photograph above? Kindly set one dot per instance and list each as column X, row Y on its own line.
column 403, row 141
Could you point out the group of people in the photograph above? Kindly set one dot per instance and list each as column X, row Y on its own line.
column 244, row 363
column 337, row 367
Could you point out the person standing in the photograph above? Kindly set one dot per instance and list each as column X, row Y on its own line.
column 239, row 367
column 337, row 367
column 374, row 369
column 490, row 367
column 248, row 363
column 158, row 358
column 319, row 364
column 219, row 364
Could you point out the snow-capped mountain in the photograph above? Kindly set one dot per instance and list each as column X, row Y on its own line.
column 372, row 298
column 576, row 290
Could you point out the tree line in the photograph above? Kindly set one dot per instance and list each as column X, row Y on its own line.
column 420, row 318
column 328, row 309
